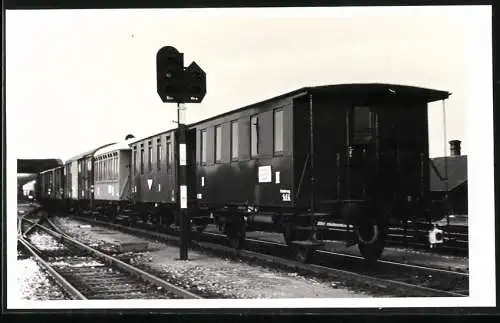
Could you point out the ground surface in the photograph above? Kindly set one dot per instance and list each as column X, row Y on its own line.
column 209, row 275
column 403, row 255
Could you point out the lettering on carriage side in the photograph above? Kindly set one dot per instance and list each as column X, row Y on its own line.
column 265, row 174
column 285, row 195
column 199, row 196
column 277, row 181
column 150, row 182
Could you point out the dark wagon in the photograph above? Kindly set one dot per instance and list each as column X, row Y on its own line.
column 154, row 174
column 351, row 152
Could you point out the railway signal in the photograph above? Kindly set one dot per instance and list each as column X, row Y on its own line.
column 169, row 74
column 195, row 83
column 180, row 85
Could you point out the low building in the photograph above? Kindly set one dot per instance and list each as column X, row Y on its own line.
column 448, row 179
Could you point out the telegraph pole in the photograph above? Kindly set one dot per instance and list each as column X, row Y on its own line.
column 177, row 84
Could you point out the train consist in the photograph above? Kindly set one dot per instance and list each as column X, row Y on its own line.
column 355, row 153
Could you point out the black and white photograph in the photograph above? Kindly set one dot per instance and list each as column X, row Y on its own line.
column 322, row 157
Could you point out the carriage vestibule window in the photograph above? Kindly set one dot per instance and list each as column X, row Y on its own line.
column 89, row 165
column 170, row 156
column 234, row 140
column 362, row 124
column 135, row 162
column 142, row 161
column 218, row 143
column 254, row 136
column 278, row 130
column 158, row 154
column 150, row 157
column 362, row 118
column 79, row 167
column 203, row 146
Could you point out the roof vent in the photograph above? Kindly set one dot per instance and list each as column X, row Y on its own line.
column 129, row 136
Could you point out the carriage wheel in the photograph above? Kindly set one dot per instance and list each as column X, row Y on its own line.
column 371, row 239
column 236, row 235
column 288, row 233
column 303, row 253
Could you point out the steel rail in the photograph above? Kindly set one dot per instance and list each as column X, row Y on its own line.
column 121, row 265
column 380, row 261
column 61, row 281
column 403, row 287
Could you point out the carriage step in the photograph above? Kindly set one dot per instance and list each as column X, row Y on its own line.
column 307, row 243
column 315, row 214
column 304, row 228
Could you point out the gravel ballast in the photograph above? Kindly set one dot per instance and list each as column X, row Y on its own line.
column 205, row 274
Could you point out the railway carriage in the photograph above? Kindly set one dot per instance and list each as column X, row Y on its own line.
column 112, row 177
column 80, row 180
column 351, row 153
column 50, row 189
column 155, row 176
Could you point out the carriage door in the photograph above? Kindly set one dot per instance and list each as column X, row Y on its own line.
column 361, row 150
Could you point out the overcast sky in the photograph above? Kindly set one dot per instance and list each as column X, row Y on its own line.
column 80, row 79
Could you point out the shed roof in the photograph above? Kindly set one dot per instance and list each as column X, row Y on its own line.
column 457, row 172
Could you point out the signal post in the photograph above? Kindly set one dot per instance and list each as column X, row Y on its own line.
column 179, row 84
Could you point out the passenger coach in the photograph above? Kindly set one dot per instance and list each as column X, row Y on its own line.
column 353, row 152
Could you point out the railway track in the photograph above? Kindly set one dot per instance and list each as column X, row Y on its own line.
column 398, row 278
column 86, row 273
column 455, row 238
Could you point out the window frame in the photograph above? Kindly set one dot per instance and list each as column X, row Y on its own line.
column 159, row 153
column 150, row 156
column 203, row 146
column 170, row 154
column 135, row 161
column 218, row 143
column 252, row 153
column 234, row 140
column 275, row 112
column 142, row 161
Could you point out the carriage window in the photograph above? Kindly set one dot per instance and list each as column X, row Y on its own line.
column 158, row 155
column 363, row 123
column 135, row 162
column 106, row 169
column 79, row 167
column 278, row 130
column 150, row 157
column 203, row 146
column 362, row 119
column 169, row 154
column 218, row 143
column 234, row 140
column 89, row 165
column 142, row 161
column 254, row 136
